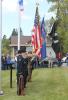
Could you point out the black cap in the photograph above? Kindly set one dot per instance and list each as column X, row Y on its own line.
column 19, row 51
column 23, row 49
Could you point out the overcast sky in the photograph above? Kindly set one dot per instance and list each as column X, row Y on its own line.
column 10, row 15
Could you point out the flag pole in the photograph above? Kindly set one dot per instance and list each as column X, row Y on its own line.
column 20, row 8
column 19, row 22
column 1, row 92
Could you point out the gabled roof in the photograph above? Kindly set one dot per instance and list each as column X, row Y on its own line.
column 24, row 40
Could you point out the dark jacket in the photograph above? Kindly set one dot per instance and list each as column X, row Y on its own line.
column 22, row 64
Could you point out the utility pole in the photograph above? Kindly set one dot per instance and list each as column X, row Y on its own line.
column 1, row 92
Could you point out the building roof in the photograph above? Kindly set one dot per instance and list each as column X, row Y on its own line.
column 25, row 41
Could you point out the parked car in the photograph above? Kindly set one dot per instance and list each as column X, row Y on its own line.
column 64, row 61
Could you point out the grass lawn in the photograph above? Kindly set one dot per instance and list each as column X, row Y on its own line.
column 47, row 84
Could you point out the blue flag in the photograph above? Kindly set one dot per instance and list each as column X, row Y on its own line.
column 43, row 35
column 21, row 2
column 21, row 5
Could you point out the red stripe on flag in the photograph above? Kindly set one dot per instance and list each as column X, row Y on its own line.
column 36, row 40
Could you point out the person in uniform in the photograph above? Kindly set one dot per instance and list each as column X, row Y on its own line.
column 30, row 68
column 25, row 65
column 20, row 78
column 22, row 70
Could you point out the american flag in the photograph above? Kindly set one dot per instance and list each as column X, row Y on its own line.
column 36, row 36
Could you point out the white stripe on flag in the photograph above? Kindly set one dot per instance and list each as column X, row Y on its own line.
column 38, row 37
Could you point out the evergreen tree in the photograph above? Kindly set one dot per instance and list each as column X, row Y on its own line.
column 61, row 9
column 5, row 45
column 15, row 32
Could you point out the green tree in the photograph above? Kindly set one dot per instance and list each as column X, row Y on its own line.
column 21, row 33
column 5, row 45
column 15, row 32
column 61, row 9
